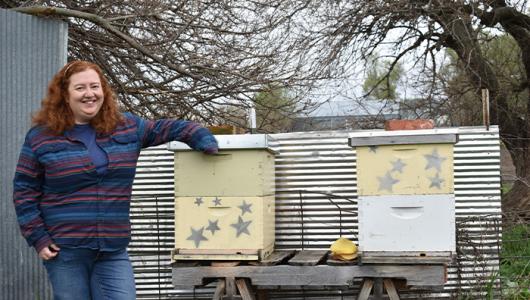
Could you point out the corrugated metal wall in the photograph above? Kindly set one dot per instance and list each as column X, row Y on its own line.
column 316, row 203
column 32, row 49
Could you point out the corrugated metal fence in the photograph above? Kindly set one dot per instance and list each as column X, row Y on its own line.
column 316, row 203
column 32, row 49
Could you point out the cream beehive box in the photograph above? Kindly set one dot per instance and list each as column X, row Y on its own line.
column 244, row 166
column 224, row 228
column 406, row 192
column 224, row 203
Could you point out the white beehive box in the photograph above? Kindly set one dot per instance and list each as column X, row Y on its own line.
column 422, row 224
column 405, row 192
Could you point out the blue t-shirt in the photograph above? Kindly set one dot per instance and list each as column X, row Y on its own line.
column 86, row 134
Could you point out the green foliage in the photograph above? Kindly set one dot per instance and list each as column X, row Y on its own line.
column 274, row 109
column 503, row 54
column 515, row 262
column 464, row 107
column 516, row 245
column 514, row 273
column 506, row 187
column 490, row 286
column 380, row 81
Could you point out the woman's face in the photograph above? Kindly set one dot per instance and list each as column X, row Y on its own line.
column 85, row 95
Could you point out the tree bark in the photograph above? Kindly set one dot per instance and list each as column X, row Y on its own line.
column 514, row 128
column 517, row 136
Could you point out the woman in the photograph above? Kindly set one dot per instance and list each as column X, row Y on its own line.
column 73, row 182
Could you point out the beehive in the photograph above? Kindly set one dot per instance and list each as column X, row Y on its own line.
column 224, row 203
column 405, row 192
column 233, row 172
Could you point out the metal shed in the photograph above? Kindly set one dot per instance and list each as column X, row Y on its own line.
column 32, row 49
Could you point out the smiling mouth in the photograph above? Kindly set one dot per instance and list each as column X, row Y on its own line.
column 88, row 101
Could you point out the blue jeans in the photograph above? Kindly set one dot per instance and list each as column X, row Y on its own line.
column 86, row 274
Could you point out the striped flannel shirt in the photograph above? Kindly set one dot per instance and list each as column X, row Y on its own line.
column 60, row 198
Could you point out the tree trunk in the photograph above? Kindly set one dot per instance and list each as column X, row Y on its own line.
column 517, row 200
column 517, row 136
column 514, row 128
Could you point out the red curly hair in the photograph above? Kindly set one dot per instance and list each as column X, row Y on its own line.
column 55, row 113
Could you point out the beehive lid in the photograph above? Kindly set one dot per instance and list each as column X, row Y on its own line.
column 232, row 142
column 404, row 137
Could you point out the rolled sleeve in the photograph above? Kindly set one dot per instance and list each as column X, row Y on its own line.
column 157, row 132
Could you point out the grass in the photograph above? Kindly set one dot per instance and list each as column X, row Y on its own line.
column 506, row 187
column 515, row 262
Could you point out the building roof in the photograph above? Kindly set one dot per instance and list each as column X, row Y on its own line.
column 343, row 108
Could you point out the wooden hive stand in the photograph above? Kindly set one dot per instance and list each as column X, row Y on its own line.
column 306, row 268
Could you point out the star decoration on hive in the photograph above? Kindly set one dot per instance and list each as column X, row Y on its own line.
column 213, row 226
column 197, row 236
column 386, row 182
column 398, row 165
column 245, row 207
column 241, row 226
column 434, row 160
column 217, row 201
column 436, row 181
column 198, row 201
column 373, row 149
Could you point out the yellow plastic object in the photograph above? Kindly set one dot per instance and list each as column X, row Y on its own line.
column 343, row 249
column 344, row 256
